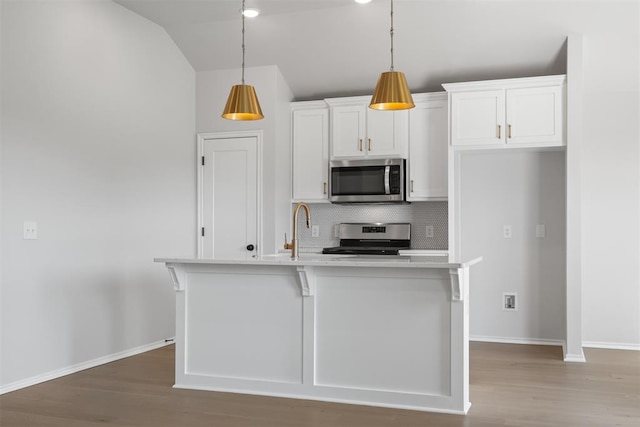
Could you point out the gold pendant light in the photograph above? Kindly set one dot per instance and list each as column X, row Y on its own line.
column 242, row 103
column 392, row 91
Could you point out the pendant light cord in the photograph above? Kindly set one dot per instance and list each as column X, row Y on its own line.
column 242, row 41
column 391, row 32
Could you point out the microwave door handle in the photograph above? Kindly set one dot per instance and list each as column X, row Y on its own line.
column 387, row 187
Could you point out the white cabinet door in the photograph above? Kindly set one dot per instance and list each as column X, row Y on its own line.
column 428, row 148
column 310, row 147
column 534, row 115
column 477, row 118
column 348, row 125
column 228, row 199
column 386, row 133
column 360, row 132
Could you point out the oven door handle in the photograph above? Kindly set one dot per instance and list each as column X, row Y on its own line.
column 387, row 173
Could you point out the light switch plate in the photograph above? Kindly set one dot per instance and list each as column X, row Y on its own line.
column 541, row 231
column 30, row 230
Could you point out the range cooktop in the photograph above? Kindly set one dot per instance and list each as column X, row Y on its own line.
column 372, row 239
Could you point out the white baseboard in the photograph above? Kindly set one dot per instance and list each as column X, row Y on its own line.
column 507, row 340
column 567, row 357
column 574, row 358
column 611, row 346
column 81, row 366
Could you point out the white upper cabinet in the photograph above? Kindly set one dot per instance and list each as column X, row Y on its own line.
column 535, row 115
column 359, row 132
column 310, row 151
column 387, row 132
column 527, row 112
column 428, row 148
column 348, row 130
column 477, row 118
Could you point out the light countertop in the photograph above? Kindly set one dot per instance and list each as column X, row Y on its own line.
column 314, row 259
column 410, row 252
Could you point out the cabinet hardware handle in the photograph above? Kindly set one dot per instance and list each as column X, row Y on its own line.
column 324, row 188
column 360, row 144
column 509, row 131
column 369, row 146
column 411, row 187
column 499, row 131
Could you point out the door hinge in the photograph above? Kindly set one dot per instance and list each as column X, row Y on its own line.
column 202, row 232
column 202, row 160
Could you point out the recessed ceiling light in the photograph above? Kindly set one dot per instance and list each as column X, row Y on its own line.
column 363, row 1
column 251, row 13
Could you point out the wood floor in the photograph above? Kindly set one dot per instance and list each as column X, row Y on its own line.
column 511, row 385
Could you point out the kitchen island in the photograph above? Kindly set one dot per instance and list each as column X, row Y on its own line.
column 383, row 331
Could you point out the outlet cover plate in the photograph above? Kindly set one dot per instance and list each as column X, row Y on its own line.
column 429, row 231
column 30, row 230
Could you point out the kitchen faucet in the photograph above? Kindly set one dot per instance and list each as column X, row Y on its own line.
column 294, row 239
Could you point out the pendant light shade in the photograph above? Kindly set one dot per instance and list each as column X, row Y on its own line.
column 242, row 103
column 392, row 91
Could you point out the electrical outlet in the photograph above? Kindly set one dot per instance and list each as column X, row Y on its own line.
column 541, row 231
column 315, row 231
column 429, row 231
column 510, row 301
column 30, row 230
column 336, row 230
column 507, row 232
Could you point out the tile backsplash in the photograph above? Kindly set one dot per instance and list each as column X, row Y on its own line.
column 419, row 215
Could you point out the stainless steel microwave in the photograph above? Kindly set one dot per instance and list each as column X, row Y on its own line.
column 367, row 181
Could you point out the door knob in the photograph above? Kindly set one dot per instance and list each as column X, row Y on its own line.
column 250, row 247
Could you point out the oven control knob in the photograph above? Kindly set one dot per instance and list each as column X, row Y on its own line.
column 250, row 247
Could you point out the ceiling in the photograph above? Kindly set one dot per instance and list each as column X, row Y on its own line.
column 327, row 48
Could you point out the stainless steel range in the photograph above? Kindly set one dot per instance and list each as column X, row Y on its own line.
column 372, row 238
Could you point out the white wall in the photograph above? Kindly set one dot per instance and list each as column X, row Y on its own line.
column 611, row 180
column 274, row 95
column 1, row 186
column 521, row 189
column 283, row 168
column 98, row 146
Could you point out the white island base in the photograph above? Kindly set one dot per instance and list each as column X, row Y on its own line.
column 383, row 332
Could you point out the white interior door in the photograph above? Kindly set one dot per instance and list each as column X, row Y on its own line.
column 229, row 197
